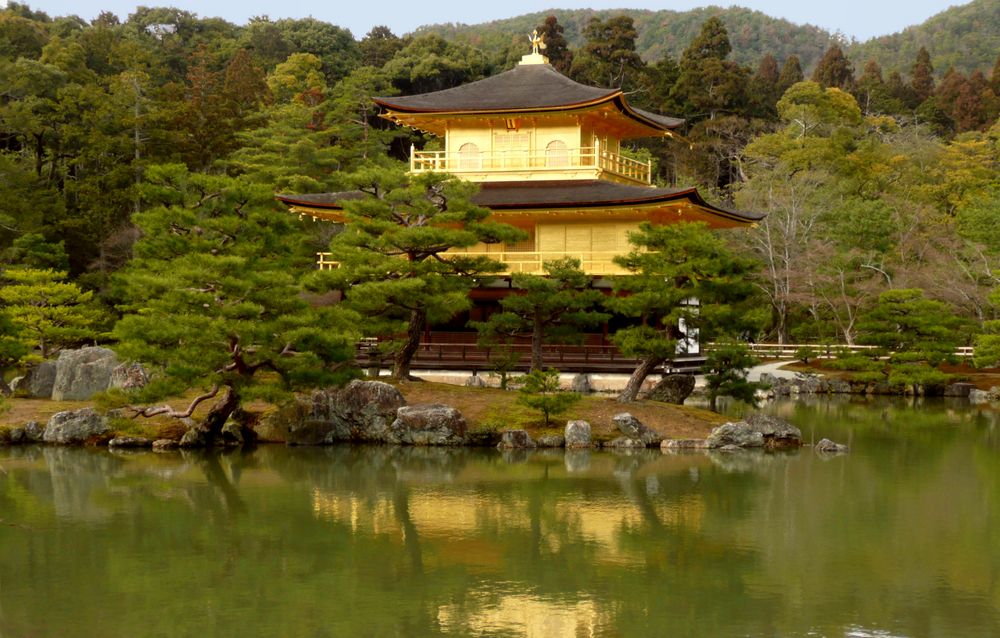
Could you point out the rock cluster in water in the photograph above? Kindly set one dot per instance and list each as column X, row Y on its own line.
column 813, row 384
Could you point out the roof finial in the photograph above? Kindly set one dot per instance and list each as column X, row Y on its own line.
column 537, row 44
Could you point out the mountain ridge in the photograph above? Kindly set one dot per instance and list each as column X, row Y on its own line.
column 963, row 36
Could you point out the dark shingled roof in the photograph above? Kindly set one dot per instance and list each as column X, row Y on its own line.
column 551, row 194
column 527, row 87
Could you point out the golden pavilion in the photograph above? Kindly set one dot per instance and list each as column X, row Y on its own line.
column 547, row 154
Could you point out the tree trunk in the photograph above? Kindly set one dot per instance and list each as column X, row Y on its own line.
column 4, row 388
column 536, row 345
column 401, row 365
column 643, row 370
column 219, row 414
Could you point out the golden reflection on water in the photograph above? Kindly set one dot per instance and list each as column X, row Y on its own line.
column 522, row 615
column 477, row 519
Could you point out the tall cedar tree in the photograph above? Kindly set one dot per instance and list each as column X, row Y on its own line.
column 557, row 49
column 212, row 298
column 834, row 70
column 393, row 268
column 708, row 82
column 670, row 266
column 791, row 73
column 609, row 58
column 553, row 308
column 922, row 76
column 764, row 88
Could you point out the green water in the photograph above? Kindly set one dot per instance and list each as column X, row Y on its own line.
column 899, row 538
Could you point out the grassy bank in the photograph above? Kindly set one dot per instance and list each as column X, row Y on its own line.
column 485, row 409
column 493, row 409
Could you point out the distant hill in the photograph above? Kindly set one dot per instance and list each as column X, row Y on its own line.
column 966, row 36
column 665, row 32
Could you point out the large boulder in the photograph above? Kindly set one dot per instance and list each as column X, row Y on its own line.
column 737, row 434
column 672, row 388
column 80, row 374
column 128, row 376
column 360, row 411
column 515, row 440
column 778, row 433
column 38, row 382
column 633, row 428
column 427, row 424
column 75, row 427
column 577, row 435
column 758, row 430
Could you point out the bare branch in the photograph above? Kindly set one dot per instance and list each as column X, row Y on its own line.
column 166, row 410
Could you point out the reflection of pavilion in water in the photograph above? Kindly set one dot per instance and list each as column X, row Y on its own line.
column 481, row 522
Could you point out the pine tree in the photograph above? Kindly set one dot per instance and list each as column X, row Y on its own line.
column 212, row 298
column 670, row 266
column 557, row 49
column 922, row 76
column 834, row 70
column 48, row 312
column 393, row 267
column 550, row 308
column 917, row 334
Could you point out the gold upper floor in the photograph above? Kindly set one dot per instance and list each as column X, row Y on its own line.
column 488, row 153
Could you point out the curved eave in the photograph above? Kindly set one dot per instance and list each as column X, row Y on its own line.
column 327, row 207
column 410, row 116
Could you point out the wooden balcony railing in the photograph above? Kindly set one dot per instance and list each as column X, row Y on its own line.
column 571, row 160
column 592, row 262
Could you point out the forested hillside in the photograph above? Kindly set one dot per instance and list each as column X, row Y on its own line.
column 139, row 159
column 966, row 37
column 660, row 33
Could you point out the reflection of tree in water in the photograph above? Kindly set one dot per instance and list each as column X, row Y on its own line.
column 224, row 498
column 633, row 543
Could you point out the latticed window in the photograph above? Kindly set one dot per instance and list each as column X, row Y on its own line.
column 556, row 154
column 469, row 157
column 512, row 149
column 526, row 245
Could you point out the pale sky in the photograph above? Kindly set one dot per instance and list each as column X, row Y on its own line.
column 860, row 19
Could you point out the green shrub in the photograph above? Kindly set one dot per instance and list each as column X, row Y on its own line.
column 541, row 392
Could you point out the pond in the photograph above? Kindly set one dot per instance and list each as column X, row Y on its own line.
column 899, row 538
